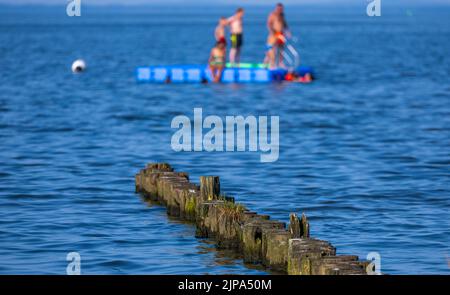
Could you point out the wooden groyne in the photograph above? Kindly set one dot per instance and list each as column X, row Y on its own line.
column 287, row 249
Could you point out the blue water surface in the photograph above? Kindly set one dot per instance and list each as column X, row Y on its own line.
column 364, row 150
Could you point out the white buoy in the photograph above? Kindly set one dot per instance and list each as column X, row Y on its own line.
column 78, row 66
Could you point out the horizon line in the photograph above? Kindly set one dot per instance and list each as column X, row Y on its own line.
column 405, row 4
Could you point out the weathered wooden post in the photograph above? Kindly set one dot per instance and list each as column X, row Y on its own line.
column 209, row 188
column 275, row 249
column 252, row 237
column 299, row 228
column 304, row 233
column 294, row 226
column 300, row 251
column 209, row 191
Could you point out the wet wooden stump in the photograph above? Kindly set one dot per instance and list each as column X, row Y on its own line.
column 337, row 265
column 301, row 250
column 252, row 237
column 258, row 238
column 299, row 228
column 209, row 187
column 275, row 244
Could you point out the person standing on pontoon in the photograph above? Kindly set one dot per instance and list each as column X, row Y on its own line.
column 279, row 31
column 236, row 29
column 219, row 32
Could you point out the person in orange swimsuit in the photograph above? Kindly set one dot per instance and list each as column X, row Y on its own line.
column 293, row 77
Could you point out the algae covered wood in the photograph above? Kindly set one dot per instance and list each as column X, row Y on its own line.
column 256, row 237
column 209, row 187
column 252, row 237
column 275, row 244
column 304, row 227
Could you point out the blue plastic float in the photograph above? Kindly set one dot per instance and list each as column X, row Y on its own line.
column 201, row 74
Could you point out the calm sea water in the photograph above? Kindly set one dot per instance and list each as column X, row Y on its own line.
column 364, row 149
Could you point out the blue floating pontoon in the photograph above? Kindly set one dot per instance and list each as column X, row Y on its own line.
column 245, row 73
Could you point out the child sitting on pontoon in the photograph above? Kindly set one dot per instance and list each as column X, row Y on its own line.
column 217, row 61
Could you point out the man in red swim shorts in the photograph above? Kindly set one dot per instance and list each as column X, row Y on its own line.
column 219, row 32
column 278, row 27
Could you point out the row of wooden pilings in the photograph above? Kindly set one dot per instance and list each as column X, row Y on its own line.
column 286, row 249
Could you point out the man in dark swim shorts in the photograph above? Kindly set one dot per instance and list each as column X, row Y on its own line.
column 236, row 40
column 236, row 28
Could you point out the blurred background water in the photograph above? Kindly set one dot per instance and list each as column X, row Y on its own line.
column 364, row 149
